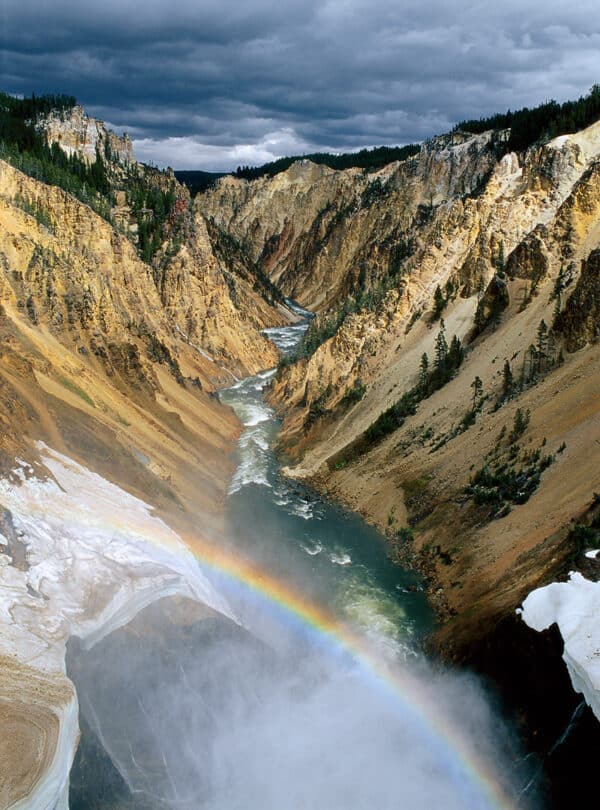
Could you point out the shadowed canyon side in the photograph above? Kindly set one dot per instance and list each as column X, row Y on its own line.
column 450, row 390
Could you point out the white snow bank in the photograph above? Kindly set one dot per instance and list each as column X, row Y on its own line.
column 575, row 607
column 95, row 556
column 592, row 555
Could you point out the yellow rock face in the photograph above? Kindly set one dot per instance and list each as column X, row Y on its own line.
column 89, row 339
column 112, row 363
column 320, row 233
column 456, row 214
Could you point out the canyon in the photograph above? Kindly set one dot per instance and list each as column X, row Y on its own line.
column 110, row 362
column 500, row 251
column 113, row 365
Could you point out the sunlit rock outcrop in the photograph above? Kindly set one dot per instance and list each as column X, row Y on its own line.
column 80, row 134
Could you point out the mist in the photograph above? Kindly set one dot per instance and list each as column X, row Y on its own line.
column 194, row 711
column 185, row 708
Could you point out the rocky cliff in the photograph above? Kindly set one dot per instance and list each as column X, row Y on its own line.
column 322, row 235
column 112, row 444
column 535, row 223
column 80, row 134
column 451, row 390
column 458, row 405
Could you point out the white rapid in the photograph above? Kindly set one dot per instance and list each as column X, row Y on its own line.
column 323, row 550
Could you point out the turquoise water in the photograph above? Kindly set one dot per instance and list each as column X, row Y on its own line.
column 329, row 554
column 272, row 714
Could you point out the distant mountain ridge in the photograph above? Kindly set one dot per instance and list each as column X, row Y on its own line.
column 196, row 180
column 527, row 126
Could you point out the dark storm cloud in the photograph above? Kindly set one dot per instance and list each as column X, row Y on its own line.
column 211, row 84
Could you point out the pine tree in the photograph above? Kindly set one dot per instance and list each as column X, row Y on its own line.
column 439, row 302
column 441, row 351
column 455, row 354
column 531, row 359
column 560, row 283
column 477, row 387
column 507, row 379
column 424, row 374
column 480, row 320
column 519, row 425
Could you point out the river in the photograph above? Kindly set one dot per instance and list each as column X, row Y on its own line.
column 328, row 553
column 320, row 699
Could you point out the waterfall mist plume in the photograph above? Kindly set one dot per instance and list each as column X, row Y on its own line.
column 196, row 712
column 183, row 708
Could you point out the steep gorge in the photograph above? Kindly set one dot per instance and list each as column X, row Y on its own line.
column 523, row 225
column 108, row 366
column 487, row 482
column 321, row 234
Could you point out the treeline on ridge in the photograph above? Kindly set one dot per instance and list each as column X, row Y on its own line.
column 197, row 181
column 370, row 159
column 158, row 211
column 547, row 120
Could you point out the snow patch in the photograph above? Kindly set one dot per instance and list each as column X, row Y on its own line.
column 575, row 607
column 95, row 556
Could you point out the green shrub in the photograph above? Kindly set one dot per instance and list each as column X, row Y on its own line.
column 545, row 121
column 354, row 394
column 405, row 534
column 520, row 425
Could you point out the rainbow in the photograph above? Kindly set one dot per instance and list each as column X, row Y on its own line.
column 401, row 685
column 97, row 498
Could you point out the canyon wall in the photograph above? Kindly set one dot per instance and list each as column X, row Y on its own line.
column 482, row 462
column 80, row 134
column 450, row 394
column 495, row 248
column 112, row 445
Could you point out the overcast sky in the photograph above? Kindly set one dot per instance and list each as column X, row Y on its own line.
column 211, row 84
